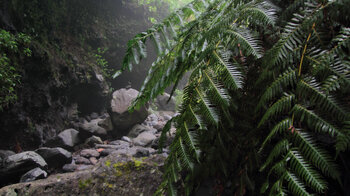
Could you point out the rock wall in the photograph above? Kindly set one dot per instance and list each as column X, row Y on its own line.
column 63, row 81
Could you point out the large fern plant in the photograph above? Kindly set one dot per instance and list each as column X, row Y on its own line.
column 265, row 110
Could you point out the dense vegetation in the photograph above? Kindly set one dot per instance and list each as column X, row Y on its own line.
column 266, row 108
column 12, row 48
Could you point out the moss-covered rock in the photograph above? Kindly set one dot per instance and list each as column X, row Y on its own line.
column 113, row 175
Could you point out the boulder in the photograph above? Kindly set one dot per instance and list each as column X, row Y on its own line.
column 69, row 167
column 120, row 143
column 126, row 139
column 67, row 139
column 88, row 129
column 55, row 157
column 159, row 126
column 81, row 160
column 122, row 119
column 94, row 115
column 4, row 154
column 34, row 174
column 113, row 175
column 87, row 153
column 137, row 129
column 162, row 102
column 91, row 141
column 144, row 139
column 106, row 122
column 142, row 152
column 15, row 166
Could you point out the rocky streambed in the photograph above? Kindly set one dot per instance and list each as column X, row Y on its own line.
column 99, row 155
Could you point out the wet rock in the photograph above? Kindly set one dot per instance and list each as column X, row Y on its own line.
column 88, row 129
column 83, row 167
column 4, row 154
column 167, row 117
column 15, row 166
column 55, row 157
column 81, row 160
column 142, row 152
column 130, row 180
column 122, row 119
column 69, row 167
column 144, row 139
column 126, row 139
column 94, row 115
column 107, row 152
column 67, row 139
column 91, row 141
column 120, row 143
column 93, row 160
column 152, row 117
column 163, row 103
column 137, row 129
column 87, row 153
column 159, row 126
column 33, row 174
column 107, row 146
column 106, row 122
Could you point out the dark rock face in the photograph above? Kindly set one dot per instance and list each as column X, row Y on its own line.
column 15, row 166
column 62, row 80
column 34, row 174
column 55, row 157
column 122, row 119
column 113, row 175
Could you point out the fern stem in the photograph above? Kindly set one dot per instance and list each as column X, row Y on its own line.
column 304, row 51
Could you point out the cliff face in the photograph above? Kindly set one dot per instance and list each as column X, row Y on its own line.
column 74, row 45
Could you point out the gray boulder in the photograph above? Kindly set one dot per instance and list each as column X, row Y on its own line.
column 106, row 122
column 67, row 139
column 87, row 153
column 34, row 174
column 144, row 139
column 88, row 129
column 4, row 154
column 15, row 166
column 122, row 119
column 137, row 130
column 55, row 157
column 162, row 102
column 91, row 141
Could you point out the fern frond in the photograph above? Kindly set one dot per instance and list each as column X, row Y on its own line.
column 232, row 77
column 317, row 156
column 295, row 185
column 280, row 148
column 282, row 105
column 215, row 90
column 278, row 128
column 250, row 45
column 190, row 141
column 305, row 172
column 208, row 109
column 313, row 121
column 288, row 78
column 311, row 90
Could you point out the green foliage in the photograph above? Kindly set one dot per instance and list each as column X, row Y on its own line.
column 12, row 48
column 102, row 62
column 178, row 99
column 252, row 104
